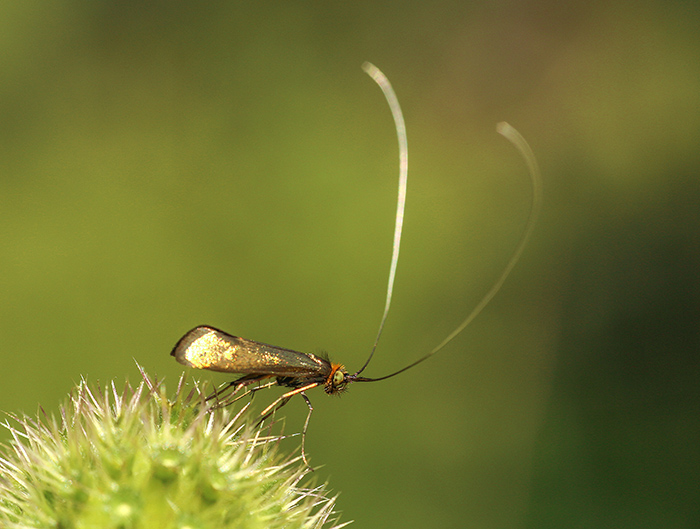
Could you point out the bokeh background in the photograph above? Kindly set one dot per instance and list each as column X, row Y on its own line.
column 168, row 164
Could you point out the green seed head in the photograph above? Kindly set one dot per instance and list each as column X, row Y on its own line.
column 134, row 459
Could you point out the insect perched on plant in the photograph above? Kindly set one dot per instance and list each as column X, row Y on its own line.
column 209, row 348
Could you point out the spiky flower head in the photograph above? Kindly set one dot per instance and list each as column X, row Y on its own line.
column 134, row 459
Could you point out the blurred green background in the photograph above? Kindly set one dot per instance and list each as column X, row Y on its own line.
column 168, row 164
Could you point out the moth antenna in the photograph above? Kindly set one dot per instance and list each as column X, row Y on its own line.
column 379, row 78
column 513, row 136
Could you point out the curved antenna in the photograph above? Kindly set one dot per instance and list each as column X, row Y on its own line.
column 379, row 78
column 519, row 142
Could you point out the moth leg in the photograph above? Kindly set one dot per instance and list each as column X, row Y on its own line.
column 231, row 399
column 236, row 384
column 227, row 400
column 303, row 432
column 276, row 405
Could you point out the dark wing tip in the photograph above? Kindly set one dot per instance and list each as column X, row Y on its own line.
column 190, row 336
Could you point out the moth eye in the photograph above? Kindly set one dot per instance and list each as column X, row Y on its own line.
column 338, row 378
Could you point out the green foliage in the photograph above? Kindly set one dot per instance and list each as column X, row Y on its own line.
column 135, row 459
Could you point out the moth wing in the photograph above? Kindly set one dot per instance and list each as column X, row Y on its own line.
column 209, row 348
